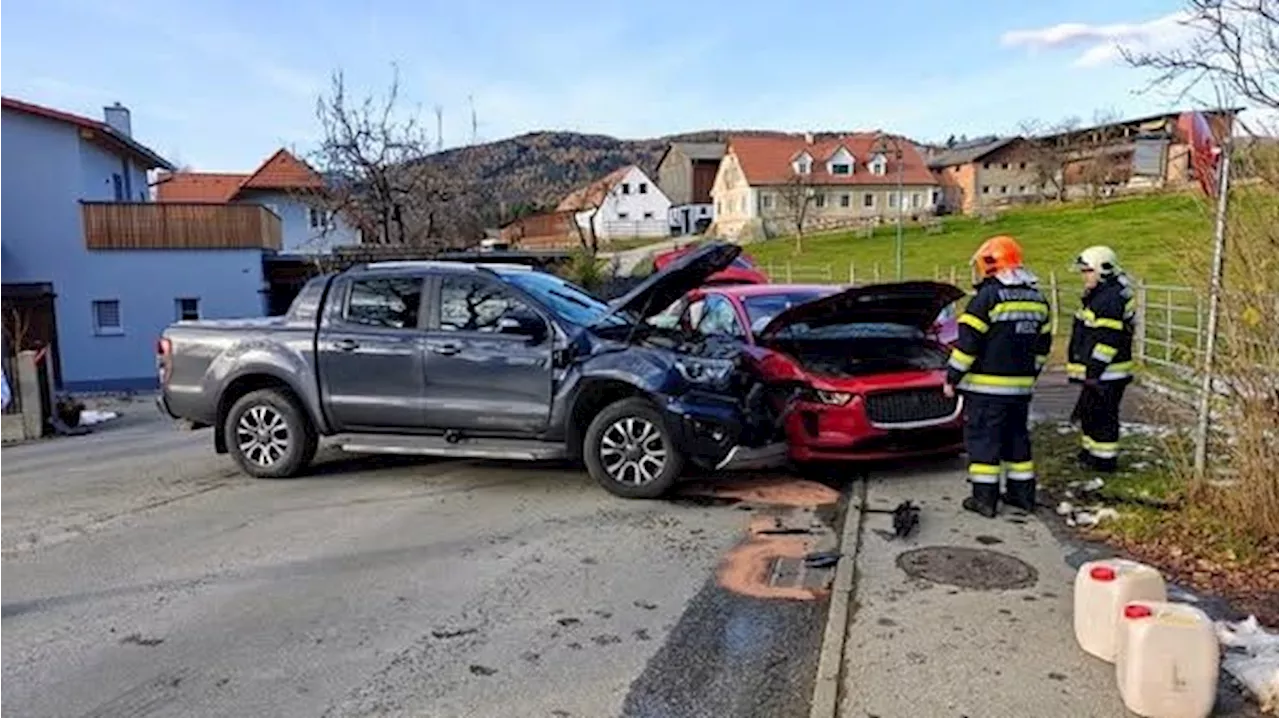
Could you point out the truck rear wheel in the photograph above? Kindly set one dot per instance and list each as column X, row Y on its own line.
column 629, row 451
column 269, row 435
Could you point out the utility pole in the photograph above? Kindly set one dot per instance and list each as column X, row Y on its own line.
column 474, row 124
column 897, row 245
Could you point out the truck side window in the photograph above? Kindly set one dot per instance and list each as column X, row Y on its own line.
column 387, row 302
column 468, row 304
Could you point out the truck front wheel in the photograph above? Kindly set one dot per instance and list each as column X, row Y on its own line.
column 269, row 435
column 629, row 451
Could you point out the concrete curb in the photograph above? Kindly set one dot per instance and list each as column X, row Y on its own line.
column 826, row 685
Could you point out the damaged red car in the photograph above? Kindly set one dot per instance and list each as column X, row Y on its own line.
column 868, row 362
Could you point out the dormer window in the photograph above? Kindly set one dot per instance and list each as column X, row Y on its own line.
column 840, row 163
column 879, row 165
column 803, row 164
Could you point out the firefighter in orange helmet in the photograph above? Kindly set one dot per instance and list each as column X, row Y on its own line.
column 1003, row 345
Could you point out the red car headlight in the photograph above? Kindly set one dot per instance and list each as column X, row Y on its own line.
column 831, row 398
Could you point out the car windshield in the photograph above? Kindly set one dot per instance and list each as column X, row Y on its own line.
column 853, row 330
column 762, row 308
column 567, row 300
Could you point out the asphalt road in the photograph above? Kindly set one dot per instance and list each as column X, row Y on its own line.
column 145, row 576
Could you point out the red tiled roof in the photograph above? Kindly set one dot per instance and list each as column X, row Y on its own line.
column 767, row 160
column 107, row 132
column 198, row 187
column 591, row 195
column 281, row 171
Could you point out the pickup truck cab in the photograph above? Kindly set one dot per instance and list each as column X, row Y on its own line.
column 481, row 361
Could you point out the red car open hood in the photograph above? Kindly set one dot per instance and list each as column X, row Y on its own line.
column 664, row 287
column 914, row 304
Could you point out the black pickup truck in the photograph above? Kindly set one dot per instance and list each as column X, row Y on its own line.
column 479, row 361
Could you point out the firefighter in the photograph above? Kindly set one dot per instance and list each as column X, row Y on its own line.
column 1003, row 345
column 1100, row 355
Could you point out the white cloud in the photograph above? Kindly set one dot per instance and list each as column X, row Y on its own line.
column 1100, row 45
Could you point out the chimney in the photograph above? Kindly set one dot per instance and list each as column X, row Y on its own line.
column 808, row 138
column 117, row 118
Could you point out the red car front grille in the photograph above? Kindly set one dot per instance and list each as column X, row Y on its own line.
column 909, row 405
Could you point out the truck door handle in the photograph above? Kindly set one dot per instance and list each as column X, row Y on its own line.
column 446, row 349
column 346, row 345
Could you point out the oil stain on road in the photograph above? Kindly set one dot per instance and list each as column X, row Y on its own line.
column 747, row 644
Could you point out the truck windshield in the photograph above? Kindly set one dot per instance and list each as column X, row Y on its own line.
column 566, row 300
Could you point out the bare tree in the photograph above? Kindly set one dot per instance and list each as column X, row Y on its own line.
column 372, row 158
column 1235, row 48
column 1049, row 151
column 797, row 195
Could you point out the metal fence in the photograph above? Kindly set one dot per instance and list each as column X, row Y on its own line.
column 1171, row 320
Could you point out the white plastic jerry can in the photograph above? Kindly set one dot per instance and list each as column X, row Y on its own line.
column 1102, row 589
column 1167, row 660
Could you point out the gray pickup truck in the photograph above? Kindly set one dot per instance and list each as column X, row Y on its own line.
column 478, row 361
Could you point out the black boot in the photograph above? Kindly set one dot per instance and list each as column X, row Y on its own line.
column 1084, row 459
column 1021, row 495
column 984, row 500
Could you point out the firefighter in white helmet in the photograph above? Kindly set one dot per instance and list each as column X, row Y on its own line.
column 1100, row 355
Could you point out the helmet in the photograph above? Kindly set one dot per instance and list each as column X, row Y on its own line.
column 1099, row 259
column 996, row 255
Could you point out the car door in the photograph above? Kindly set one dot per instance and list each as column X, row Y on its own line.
column 486, row 369
column 370, row 351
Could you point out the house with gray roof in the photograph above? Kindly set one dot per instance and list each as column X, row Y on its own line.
column 686, row 173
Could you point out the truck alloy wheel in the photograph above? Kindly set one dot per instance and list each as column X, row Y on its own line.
column 262, row 435
column 269, row 435
column 633, row 451
column 629, row 451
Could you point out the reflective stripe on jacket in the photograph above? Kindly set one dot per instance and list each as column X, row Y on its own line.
column 1004, row 340
column 1101, row 344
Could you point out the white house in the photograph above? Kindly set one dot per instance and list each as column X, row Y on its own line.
column 282, row 184
column 624, row 203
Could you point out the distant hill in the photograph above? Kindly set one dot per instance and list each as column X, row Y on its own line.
column 536, row 170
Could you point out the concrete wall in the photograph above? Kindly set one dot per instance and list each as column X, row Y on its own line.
column 47, row 170
column 1006, row 174
column 297, row 234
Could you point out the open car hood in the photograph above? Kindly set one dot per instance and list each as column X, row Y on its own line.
column 664, row 287
column 914, row 304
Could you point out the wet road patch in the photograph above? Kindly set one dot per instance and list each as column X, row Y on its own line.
column 977, row 569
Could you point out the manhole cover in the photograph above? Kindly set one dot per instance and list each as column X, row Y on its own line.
column 967, row 567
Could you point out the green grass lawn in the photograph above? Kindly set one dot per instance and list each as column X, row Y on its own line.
column 1144, row 231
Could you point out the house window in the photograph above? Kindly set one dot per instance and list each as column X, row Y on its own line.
column 1004, row 165
column 117, row 186
column 841, row 168
column 868, row 200
column 846, row 199
column 820, row 201
column 643, row 188
column 934, row 197
column 986, row 165
column 623, row 215
column 1022, row 189
column 187, row 309
column 106, row 317
column 317, row 218
column 626, row 188
column 878, row 166
column 766, row 201
column 986, row 189
column 718, row 209
column 1004, row 189
column 917, row 200
column 702, row 211
column 647, row 215
column 803, row 165
column 893, row 200
column 1022, row 165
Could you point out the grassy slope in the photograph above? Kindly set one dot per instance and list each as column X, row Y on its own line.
column 1142, row 230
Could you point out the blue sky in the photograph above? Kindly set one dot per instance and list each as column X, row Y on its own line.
column 220, row 84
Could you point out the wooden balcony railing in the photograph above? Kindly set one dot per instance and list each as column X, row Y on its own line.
column 179, row 225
